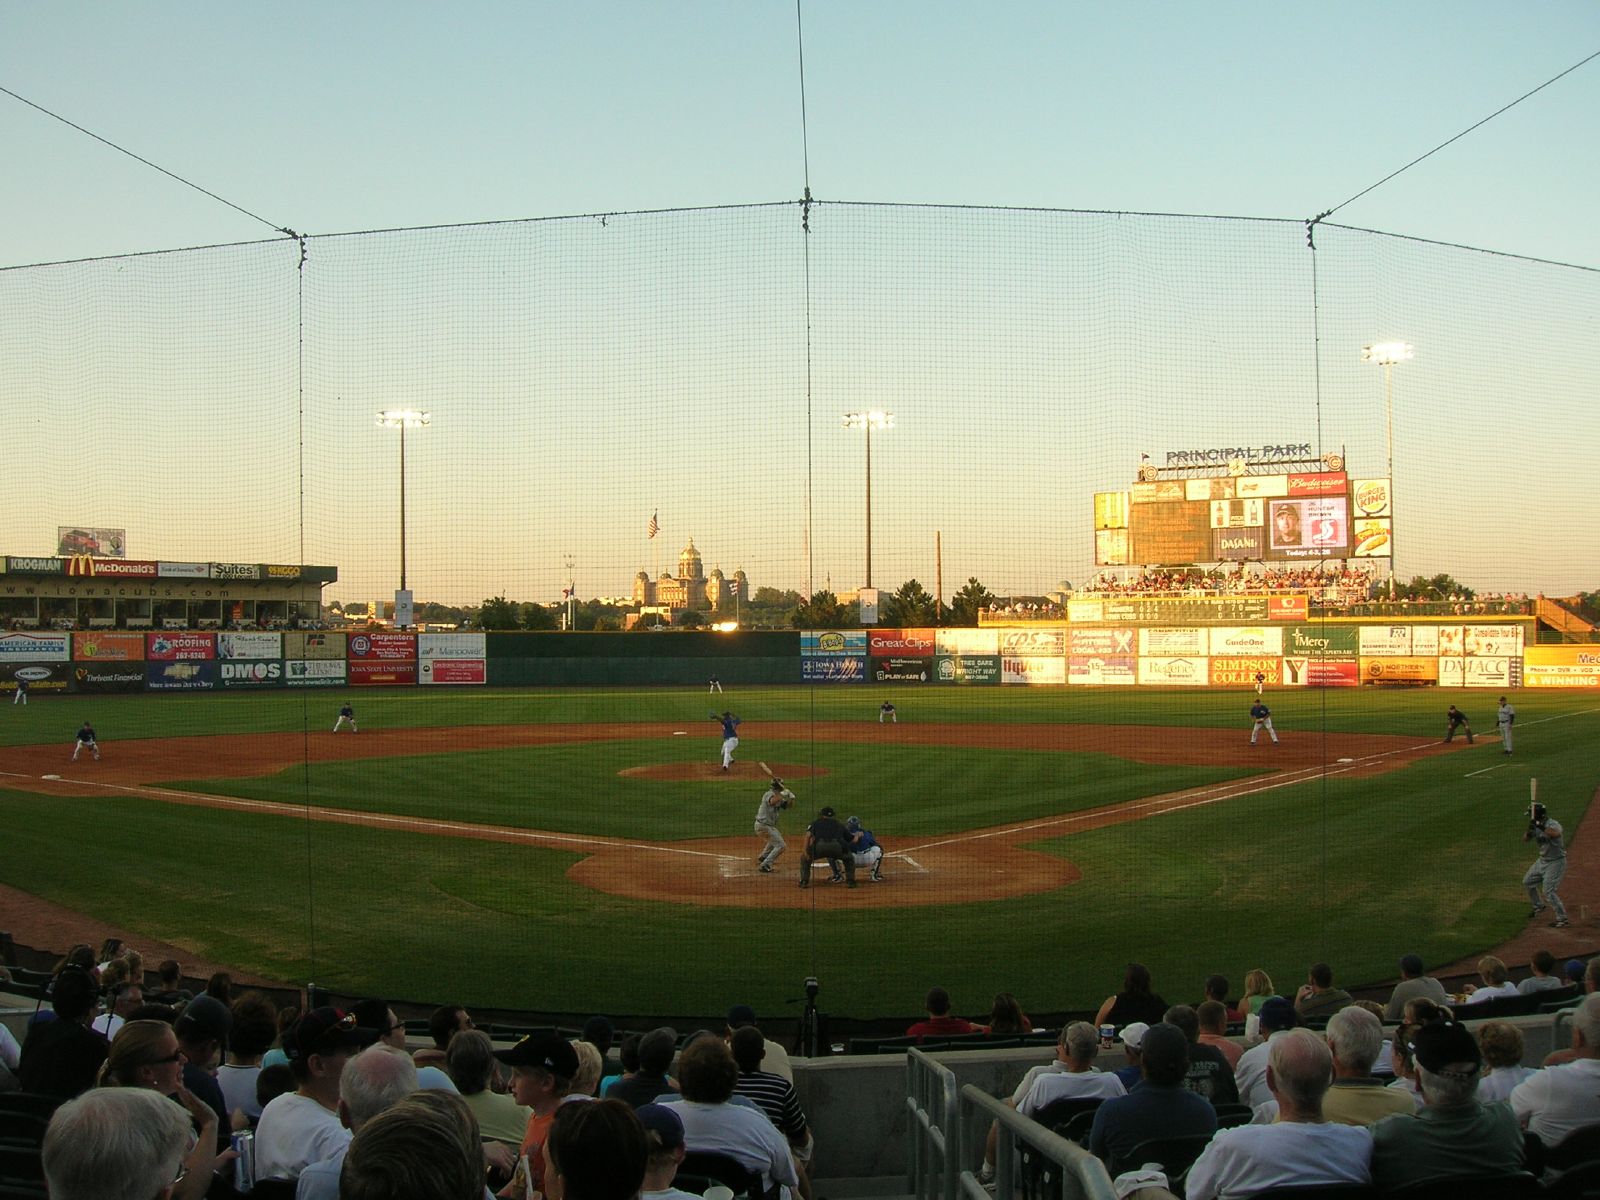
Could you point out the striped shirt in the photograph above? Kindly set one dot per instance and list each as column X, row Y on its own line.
column 775, row 1096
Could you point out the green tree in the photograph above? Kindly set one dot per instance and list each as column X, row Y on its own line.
column 690, row 619
column 540, row 616
column 823, row 611
column 910, row 606
column 964, row 605
column 1427, row 587
column 498, row 613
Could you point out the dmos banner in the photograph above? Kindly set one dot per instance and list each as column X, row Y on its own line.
column 241, row 673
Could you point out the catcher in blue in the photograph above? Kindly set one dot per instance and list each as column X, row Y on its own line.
column 1262, row 716
column 864, row 848
column 86, row 739
column 730, row 737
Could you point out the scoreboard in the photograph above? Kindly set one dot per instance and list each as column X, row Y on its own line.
column 1287, row 517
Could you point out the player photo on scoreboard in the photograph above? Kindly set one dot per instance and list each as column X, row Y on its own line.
column 1309, row 528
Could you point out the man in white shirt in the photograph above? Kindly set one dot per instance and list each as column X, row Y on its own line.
column 1301, row 1148
column 302, row 1127
column 1557, row 1100
column 1277, row 1017
column 1078, row 1045
column 707, row 1074
column 125, row 997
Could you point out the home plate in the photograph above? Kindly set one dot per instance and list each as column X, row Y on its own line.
column 49, row 777
column 1347, row 760
column 680, row 733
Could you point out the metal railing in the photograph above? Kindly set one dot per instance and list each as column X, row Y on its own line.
column 1041, row 1163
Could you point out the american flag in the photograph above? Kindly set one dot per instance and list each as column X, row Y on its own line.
column 655, row 526
column 733, row 586
column 566, row 592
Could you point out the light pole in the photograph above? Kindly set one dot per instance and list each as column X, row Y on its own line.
column 402, row 419
column 1386, row 354
column 869, row 421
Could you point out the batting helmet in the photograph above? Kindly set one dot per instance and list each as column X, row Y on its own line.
column 1536, row 813
column 776, row 782
column 853, row 824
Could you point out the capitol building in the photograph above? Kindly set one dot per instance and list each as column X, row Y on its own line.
column 691, row 587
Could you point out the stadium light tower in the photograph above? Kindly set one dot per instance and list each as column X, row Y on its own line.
column 869, row 421
column 402, row 419
column 1386, row 354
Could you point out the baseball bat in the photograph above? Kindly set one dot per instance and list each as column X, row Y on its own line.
column 1533, row 791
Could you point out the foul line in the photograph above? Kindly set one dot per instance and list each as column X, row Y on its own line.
column 1156, row 806
column 345, row 816
column 1485, row 771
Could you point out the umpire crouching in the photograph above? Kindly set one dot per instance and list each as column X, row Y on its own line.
column 827, row 838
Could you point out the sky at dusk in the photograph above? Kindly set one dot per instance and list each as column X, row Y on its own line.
column 980, row 260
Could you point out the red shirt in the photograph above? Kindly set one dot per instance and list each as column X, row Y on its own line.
column 940, row 1027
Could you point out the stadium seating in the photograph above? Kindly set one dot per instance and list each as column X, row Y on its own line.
column 1580, row 1146
column 1521, row 1186
column 1175, row 1154
column 701, row 1169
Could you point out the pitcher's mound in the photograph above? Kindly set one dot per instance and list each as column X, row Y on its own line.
column 741, row 772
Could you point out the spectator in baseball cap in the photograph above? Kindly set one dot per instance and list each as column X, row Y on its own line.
column 301, row 1127
column 203, row 1028
column 1277, row 1016
column 542, row 1068
column 663, row 1133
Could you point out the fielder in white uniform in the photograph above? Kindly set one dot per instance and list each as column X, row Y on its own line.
column 773, row 801
column 1505, row 716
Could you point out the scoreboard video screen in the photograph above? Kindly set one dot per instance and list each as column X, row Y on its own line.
column 1274, row 518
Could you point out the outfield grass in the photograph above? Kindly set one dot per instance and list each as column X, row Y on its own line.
column 1354, row 871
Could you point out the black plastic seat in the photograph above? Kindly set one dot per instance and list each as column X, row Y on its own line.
column 1175, row 1154
column 719, row 1168
column 1520, row 1186
column 1579, row 1146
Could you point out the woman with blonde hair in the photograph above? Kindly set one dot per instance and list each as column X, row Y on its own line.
column 1257, row 991
column 1496, row 982
column 144, row 1054
column 590, row 1067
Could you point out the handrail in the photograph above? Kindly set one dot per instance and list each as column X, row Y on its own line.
column 934, row 1135
column 1082, row 1175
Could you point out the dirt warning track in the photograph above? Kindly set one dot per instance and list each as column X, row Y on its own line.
column 975, row 865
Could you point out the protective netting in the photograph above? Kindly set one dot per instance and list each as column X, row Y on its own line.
column 589, row 376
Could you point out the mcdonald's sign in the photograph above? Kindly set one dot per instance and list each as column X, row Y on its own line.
column 80, row 564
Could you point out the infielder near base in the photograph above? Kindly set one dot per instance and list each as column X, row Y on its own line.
column 730, row 737
column 1262, row 715
column 773, row 801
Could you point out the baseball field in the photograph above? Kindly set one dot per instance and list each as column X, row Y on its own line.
column 582, row 850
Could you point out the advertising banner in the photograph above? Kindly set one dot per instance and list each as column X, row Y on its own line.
column 1288, row 608
column 962, row 643
column 1492, row 641
column 1399, row 670
column 1261, row 485
column 1185, row 610
column 1238, row 514
column 1561, row 666
column 235, row 674
column 1111, row 510
column 1308, row 528
column 1322, row 640
column 1033, row 672
column 1111, row 548
column 89, row 566
column 1102, row 641
column 1373, row 537
column 833, row 668
column 188, row 675
column 382, row 645
column 41, row 677
column 108, row 647
column 1174, row 672
column 35, row 647
column 458, row 646
column 883, row 643
column 1324, row 483
column 1321, row 672
column 83, row 539
column 316, row 672
column 1096, row 670
column 1385, row 639
column 1238, row 545
column 166, row 570
column 1173, row 641
column 116, row 677
column 22, row 565
column 382, row 673
column 967, row 669
column 1242, row 672
column 454, row 670
column 314, row 645
column 1256, row 640
column 901, row 670
column 1480, row 673
column 1163, row 491
column 240, row 571
column 1370, row 498
column 1425, row 641
column 249, row 645
column 171, row 646
column 1033, row 643
column 281, row 572
column 1210, row 487
column 833, row 641
column 1170, row 533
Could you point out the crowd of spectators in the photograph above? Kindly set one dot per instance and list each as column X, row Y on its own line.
column 337, row 1103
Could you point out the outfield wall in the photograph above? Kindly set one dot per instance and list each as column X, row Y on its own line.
column 1289, row 652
